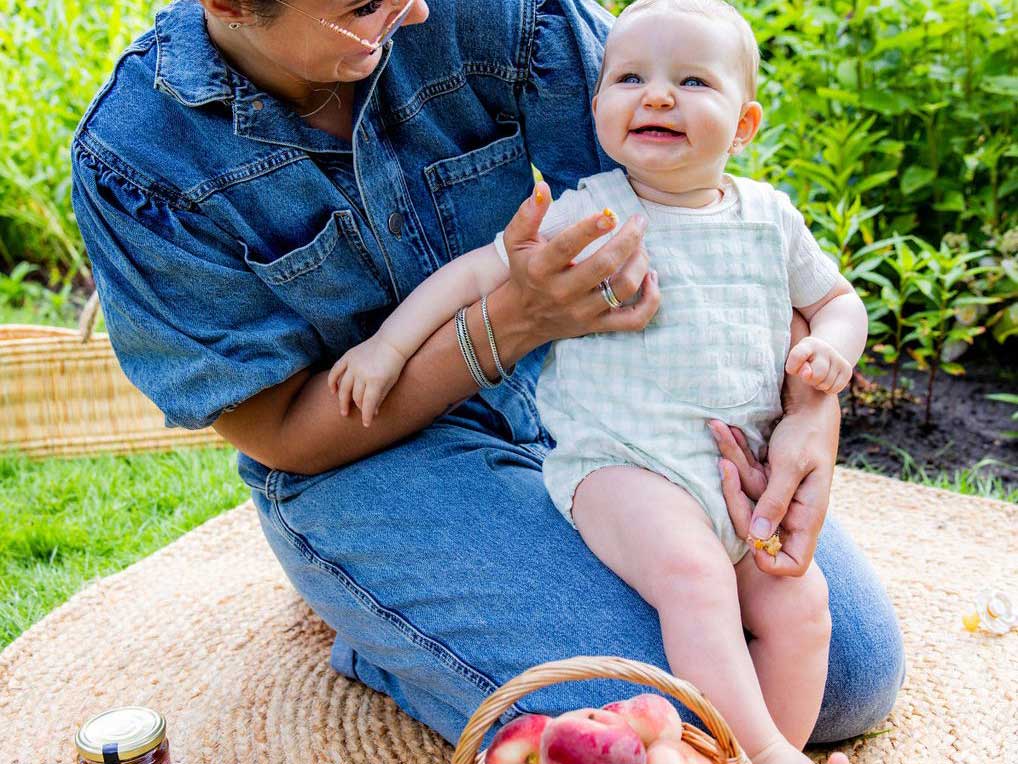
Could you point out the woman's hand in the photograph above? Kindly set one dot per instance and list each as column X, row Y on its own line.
column 558, row 299
column 791, row 486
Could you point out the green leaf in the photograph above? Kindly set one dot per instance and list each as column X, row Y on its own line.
column 842, row 96
column 952, row 368
column 1005, row 324
column 874, row 180
column 1006, row 85
column 916, row 177
column 886, row 102
column 954, row 201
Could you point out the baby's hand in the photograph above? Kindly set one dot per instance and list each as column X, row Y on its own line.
column 366, row 374
column 819, row 365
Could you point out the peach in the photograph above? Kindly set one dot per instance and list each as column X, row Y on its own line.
column 591, row 736
column 665, row 751
column 519, row 741
column 648, row 714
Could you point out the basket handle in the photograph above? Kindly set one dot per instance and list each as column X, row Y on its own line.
column 89, row 314
column 724, row 751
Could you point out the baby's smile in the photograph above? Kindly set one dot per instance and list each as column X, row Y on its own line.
column 657, row 134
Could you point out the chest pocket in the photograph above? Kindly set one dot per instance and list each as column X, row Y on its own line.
column 479, row 189
column 717, row 338
column 710, row 346
column 331, row 282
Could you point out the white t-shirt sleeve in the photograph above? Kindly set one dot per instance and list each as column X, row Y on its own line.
column 562, row 213
column 811, row 272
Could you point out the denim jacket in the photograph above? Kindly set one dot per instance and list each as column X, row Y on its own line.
column 233, row 245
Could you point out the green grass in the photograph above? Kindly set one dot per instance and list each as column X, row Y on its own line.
column 977, row 480
column 66, row 522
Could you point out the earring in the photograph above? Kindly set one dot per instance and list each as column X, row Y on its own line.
column 234, row 25
column 736, row 146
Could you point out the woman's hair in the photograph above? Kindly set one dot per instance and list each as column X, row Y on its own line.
column 712, row 9
column 265, row 10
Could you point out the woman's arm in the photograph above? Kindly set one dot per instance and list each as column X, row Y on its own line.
column 296, row 426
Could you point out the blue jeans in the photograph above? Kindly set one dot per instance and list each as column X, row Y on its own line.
column 445, row 570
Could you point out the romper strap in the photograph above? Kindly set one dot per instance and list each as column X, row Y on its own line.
column 612, row 189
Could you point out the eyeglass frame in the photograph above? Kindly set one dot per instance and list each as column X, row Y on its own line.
column 383, row 38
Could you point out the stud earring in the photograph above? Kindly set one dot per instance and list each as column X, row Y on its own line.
column 234, row 25
column 736, row 146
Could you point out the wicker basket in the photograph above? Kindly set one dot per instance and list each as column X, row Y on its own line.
column 722, row 748
column 62, row 393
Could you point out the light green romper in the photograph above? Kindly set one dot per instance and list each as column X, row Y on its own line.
column 715, row 350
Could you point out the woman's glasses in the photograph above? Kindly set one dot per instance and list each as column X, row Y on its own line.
column 372, row 45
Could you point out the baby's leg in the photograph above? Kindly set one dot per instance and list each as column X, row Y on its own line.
column 657, row 538
column 791, row 627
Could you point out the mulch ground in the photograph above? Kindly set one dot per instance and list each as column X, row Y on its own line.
column 966, row 427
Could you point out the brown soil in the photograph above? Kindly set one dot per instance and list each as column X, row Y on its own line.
column 966, row 427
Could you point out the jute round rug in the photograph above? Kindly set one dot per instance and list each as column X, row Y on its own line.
column 241, row 669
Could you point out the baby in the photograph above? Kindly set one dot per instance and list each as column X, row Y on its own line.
column 732, row 257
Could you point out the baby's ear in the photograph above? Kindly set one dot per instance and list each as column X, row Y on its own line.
column 593, row 105
column 749, row 125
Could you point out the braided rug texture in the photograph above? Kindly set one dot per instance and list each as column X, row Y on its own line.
column 223, row 646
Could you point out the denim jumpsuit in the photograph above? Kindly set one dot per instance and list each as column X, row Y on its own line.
column 233, row 245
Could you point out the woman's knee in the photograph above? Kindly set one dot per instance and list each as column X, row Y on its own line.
column 866, row 667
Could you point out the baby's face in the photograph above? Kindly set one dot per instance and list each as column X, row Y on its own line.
column 671, row 97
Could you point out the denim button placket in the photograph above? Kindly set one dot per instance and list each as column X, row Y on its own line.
column 396, row 224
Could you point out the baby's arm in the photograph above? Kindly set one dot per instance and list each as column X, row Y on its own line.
column 368, row 371
column 838, row 325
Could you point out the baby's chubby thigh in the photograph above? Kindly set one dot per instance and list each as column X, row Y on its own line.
column 654, row 535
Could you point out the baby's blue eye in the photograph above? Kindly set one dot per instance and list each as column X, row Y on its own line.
column 696, row 81
column 630, row 79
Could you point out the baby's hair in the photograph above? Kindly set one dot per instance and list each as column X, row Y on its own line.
column 712, row 9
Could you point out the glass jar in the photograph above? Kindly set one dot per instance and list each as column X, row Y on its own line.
column 128, row 735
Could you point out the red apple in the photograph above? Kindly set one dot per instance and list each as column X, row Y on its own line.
column 591, row 736
column 648, row 714
column 519, row 741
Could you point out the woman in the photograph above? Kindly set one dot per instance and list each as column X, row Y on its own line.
column 257, row 189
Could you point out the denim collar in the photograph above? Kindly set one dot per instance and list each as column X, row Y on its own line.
column 193, row 71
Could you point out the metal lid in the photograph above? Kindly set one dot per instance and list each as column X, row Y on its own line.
column 120, row 734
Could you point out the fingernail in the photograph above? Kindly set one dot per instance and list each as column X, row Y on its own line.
column 539, row 197
column 653, row 275
column 641, row 223
column 607, row 220
column 761, row 528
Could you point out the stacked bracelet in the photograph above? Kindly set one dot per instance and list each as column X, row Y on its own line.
column 469, row 354
column 491, row 337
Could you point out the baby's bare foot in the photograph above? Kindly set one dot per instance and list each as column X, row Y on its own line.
column 783, row 752
column 780, row 752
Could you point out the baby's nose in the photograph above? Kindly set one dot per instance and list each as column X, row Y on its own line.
column 660, row 98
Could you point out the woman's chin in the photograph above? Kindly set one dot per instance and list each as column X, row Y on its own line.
column 357, row 67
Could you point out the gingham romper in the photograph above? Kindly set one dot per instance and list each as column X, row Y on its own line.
column 715, row 349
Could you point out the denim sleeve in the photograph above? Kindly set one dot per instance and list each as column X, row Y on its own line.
column 566, row 51
column 192, row 327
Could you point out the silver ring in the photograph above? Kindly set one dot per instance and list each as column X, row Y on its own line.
column 609, row 295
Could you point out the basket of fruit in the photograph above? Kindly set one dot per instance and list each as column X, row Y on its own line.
column 645, row 729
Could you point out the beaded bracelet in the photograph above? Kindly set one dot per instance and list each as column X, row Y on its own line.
column 469, row 354
column 491, row 337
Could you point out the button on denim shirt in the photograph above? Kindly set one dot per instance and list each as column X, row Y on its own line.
column 234, row 245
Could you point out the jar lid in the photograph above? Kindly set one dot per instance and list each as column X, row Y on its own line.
column 120, row 734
